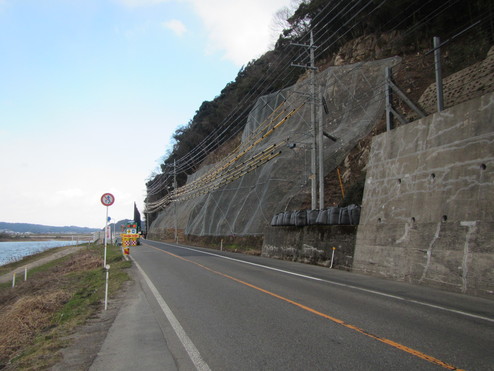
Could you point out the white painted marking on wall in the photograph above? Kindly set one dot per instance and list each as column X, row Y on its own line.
column 429, row 251
column 405, row 237
column 189, row 346
column 472, row 230
column 380, row 293
column 468, row 224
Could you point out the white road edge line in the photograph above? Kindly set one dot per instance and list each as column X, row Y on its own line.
column 189, row 346
column 343, row 285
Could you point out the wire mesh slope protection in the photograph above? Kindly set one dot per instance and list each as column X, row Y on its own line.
column 270, row 171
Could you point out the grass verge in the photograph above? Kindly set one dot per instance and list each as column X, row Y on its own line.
column 30, row 258
column 37, row 315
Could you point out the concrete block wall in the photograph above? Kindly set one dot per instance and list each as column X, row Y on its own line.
column 464, row 85
column 428, row 208
column 312, row 244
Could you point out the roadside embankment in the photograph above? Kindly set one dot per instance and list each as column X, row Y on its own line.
column 36, row 260
column 63, row 290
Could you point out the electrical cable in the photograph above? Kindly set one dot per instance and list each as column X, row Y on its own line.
column 185, row 163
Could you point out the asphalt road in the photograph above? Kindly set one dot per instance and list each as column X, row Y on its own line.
column 224, row 311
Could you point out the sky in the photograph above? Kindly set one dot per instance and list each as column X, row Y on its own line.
column 91, row 92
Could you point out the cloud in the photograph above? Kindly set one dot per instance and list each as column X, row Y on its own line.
column 71, row 193
column 176, row 26
column 240, row 29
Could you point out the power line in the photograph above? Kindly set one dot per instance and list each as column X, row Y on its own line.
column 231, row 125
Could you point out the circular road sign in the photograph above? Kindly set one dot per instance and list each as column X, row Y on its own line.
column 107, row 199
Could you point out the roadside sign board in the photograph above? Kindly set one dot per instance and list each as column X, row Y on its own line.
column 107, row 199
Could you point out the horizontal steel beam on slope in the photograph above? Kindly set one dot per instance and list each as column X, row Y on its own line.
column 232, row 178
column 226, row 173
column 355, row 102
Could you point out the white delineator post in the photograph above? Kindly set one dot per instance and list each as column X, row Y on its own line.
column 332, row 257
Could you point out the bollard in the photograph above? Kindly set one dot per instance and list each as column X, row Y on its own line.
column 13, row 280
column 221, row 245
column 332, row 257
column 25, row 273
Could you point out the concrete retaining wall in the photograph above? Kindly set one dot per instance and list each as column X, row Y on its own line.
column 311, row 244
column 428, row 208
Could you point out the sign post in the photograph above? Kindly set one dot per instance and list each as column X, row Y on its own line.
column 107, row 269
column 107, row 200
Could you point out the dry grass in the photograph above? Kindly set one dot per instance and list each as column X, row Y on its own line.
column 23, row 319
column 36, row 315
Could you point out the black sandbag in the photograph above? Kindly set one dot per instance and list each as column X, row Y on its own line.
column 354, row 212
column 312, row 216
column 334, row 215
column 293, row 218
column 286, row 217
column 344, row 216
column 301, row 218
column 279, row 219
column 322, row 218
column 274, row 220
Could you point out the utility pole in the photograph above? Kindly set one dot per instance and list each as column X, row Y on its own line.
column 321, row 153
column 175, row 190
column 313, row 163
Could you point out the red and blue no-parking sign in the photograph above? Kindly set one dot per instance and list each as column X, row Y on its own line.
column 107, row 199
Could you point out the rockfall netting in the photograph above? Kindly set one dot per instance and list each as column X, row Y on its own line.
column 270, row 171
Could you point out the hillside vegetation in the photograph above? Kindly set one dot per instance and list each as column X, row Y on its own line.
column 38, row 228
column 340, row 28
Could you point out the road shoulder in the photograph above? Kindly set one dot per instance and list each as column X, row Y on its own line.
column 135, row 339
column 87, row 340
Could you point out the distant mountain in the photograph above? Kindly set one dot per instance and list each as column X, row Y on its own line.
column 39, row 229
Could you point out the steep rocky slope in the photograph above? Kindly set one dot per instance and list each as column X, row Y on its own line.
column 234, row 185
column 280, row 126
column 244, row 205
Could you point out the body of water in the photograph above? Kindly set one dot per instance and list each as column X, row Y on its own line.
column 14, row 251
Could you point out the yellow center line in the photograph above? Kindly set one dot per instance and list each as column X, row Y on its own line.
column 316, row 312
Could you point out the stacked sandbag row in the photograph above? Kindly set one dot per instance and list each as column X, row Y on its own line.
column 348, row 215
